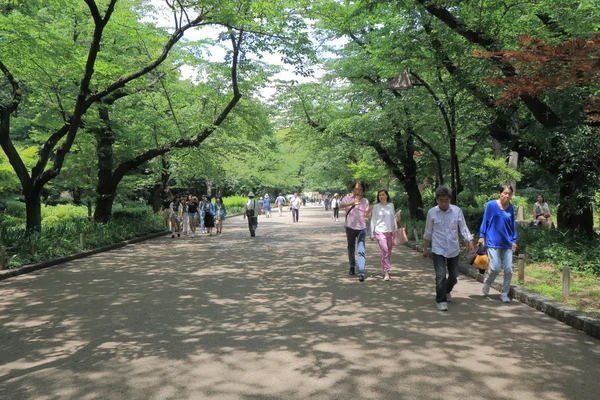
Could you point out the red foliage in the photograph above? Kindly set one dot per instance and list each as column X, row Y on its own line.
column 543, row 68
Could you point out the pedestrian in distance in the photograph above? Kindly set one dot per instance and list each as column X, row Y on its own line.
column 193, row 214
column 267, row 205
column 251, row 210
column 335, row 206
column 185, row 223
column 357, row 208
column 498, row 232
column 280, row 201
column 444, row 221
column 176, row 215
column 220, row 214
column 295, row 207
column 165, row 209
column 209, row 215
column 383, row 223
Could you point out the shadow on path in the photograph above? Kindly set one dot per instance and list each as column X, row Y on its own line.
column 275, row 317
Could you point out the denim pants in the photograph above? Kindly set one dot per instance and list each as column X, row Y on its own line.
column 295, row 213
column 353, row 237
column 202, row 228
column 500, row 258
column 444, row 285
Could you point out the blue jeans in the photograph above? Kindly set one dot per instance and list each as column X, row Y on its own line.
column 444, row 285
column 202, row 227
column 500, row 258
column 353, row 237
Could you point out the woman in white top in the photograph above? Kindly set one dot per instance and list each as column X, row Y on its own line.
column 383, row 224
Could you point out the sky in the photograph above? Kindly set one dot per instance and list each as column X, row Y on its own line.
column 217, row 53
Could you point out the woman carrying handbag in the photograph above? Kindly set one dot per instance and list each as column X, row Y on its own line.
column 383, row 227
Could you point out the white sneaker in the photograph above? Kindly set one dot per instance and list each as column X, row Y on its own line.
column 485, row 289
column 504, row 297
column 448, row 297
column 443, row 306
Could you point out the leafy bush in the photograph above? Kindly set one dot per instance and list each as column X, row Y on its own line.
column 62, row 237
column 130, row 214
column 234, row 201
column 560, row 248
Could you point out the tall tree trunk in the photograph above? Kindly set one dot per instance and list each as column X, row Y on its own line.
column 411, row 185
column 105, row 188
column 583, row 220
column 33, row 207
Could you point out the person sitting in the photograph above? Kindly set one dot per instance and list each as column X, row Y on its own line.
column 541, row 213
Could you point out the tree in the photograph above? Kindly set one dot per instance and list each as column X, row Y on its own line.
column 73, row 106
column 549, row 128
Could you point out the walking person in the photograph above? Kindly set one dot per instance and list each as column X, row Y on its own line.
column 220, row 214
column 185, row 224
column 176, row 215
column 251, row 210
column 165, row 209
column 267, row 205
column 498, row 232
column 209, row 215
column 295, row 206
column 335, row 206
column 444, row 221
column 202, row 214
column 193, row 214
column 280, row 201
column 383, row 224
column 357, row 208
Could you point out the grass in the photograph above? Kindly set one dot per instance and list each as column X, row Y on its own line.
column 546, row 279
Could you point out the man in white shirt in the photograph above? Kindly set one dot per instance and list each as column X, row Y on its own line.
column 295, row 203
column 441, row 230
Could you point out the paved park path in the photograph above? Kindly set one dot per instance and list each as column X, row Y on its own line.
column 275, row 317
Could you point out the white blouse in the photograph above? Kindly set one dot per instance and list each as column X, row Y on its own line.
column 383, row 219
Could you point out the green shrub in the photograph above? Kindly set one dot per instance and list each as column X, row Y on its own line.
column 16, row 209
column 59, row 238
column 234, row 201
column 131, row 213
column 63, row 211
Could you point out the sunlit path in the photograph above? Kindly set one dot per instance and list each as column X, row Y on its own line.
column 275, row 317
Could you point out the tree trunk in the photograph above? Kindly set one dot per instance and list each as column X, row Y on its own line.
column 411, row 185
column 104, row 204
column 33, row 207
column 583, row 220
column 105, row 189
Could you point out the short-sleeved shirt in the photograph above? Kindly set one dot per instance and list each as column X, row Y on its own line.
column 355, row 216
column 541, row 209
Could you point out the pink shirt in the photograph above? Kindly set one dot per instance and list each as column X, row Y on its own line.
column 356, row 218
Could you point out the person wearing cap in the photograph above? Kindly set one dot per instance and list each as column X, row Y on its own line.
column 280, row 201
column 444, row 221
column 267, row 205
column 251, row 210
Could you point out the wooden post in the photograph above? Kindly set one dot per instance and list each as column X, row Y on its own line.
column 520, row 215
column 416, row 235
column 81, row 242
column 566, row 282
column 2, row 257
column 521, row 266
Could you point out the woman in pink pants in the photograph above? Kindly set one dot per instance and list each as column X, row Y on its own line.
column 383, row 224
